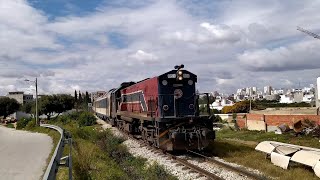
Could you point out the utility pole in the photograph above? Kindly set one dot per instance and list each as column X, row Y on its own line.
column 250, row 104
column 37, row 117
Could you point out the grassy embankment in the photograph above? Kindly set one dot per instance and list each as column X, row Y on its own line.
column 238, row 147
column 97, row 154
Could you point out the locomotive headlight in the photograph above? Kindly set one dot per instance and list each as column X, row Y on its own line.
column 164, row 82
column 165, row 107
column 180, row 78
column 180, row 72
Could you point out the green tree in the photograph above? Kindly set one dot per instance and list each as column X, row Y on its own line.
column 88, row 100
column 80, row 98
column 8, row 106
column 63, row 103
column 239, row 107
column 46, row 106
column 75, row 96
column 27, row 107
column 87, row 119
column 55, row 104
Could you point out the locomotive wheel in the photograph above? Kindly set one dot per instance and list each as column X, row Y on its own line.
column 144, row 135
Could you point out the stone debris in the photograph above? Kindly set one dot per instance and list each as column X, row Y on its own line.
column 306, row 127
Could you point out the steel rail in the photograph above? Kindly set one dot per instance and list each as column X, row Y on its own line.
column 195, row 168
column 231, row 168
column 181, row 161
column 52, row 169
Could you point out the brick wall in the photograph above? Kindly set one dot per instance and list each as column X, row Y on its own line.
column 258, row 117
column 275, row 120
column 241, row 120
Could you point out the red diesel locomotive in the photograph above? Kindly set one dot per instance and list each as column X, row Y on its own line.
column 163, row 110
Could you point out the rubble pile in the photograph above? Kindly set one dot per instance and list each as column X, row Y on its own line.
column 306, row 127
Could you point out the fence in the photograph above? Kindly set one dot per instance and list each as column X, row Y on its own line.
column 57, row 158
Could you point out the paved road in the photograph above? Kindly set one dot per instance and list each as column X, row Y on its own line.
column 23, row 154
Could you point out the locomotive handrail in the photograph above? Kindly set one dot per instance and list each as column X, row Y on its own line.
column 52, row 169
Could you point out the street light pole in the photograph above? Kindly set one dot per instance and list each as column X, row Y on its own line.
column 250, row 104
column 36, row 83
column 37, row 118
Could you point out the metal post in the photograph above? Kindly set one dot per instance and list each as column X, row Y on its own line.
column 70, row 157
column 250, row 104
column 174, row 104
column 208, row 104
column 37, row 118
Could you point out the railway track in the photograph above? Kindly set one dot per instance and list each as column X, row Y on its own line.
column 241, row 171
column 185, row 163
column 191, row 167
column 202, row 172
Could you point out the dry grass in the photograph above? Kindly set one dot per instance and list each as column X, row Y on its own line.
column 97, row 154
column 238, row 147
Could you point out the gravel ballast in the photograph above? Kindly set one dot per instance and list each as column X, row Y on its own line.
column 136, row 149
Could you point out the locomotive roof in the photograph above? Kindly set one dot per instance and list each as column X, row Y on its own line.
column 192, row 76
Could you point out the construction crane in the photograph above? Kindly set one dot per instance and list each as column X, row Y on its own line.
column 308, row 32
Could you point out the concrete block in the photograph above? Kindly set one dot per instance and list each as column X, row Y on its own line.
column 272, row 128
column 256, row 125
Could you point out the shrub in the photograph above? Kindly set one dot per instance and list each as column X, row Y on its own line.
column 108, row 142
column 64, row 119
column 82, row 159
column 23, row 122
column 31, row 124
column 74, row 115
column 10, row 125
column 86, row 133
column 155, row 171
column 87, row 119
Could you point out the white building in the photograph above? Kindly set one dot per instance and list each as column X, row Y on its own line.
column 306, row 90
column 95, row 95
column 254, row 90
column 20, row 97
column 297, row 96
column 318, row 92
column 312, row 86
column 277, row 91
column 286, row 99
column 219, row 104
column 251, row 91
column 239, row 91
column 308, row 98
column 267, row 90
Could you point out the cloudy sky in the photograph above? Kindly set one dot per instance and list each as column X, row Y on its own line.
column 97, row 44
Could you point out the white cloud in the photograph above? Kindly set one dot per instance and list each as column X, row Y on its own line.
column 297, row 56
column 222, row 32
column 224, row 81
column 207, row 33
column 144, row 57
column 21, row 29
